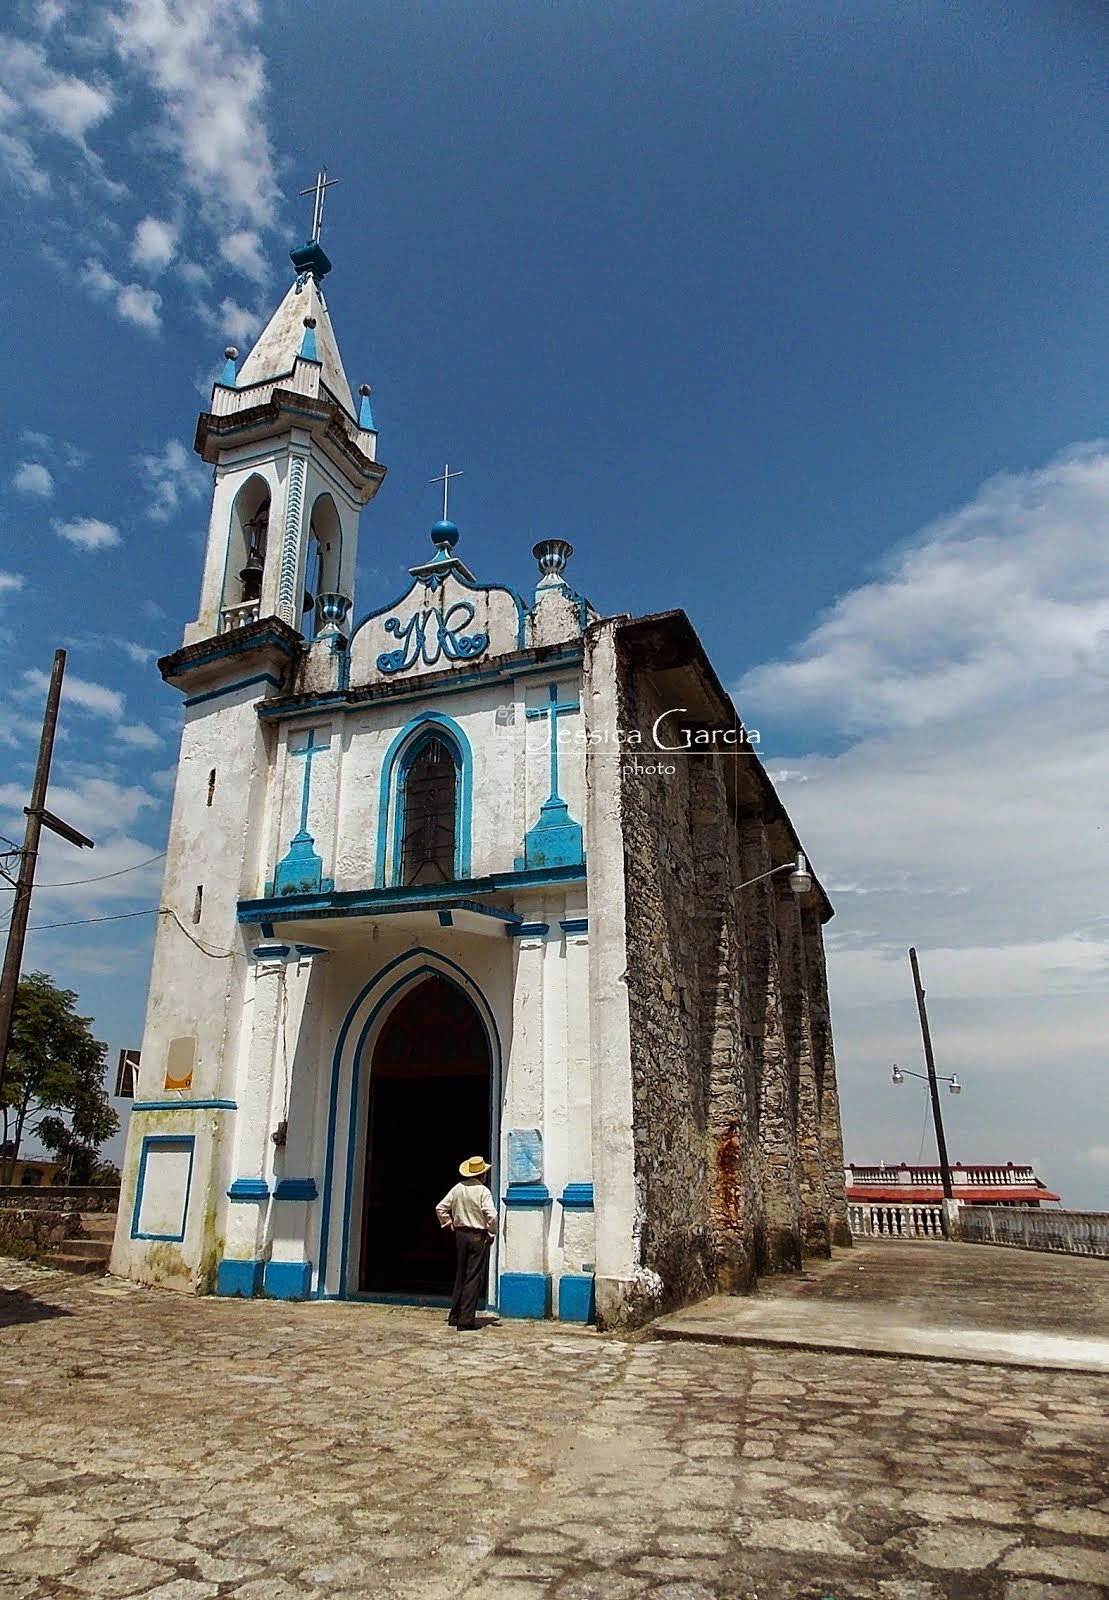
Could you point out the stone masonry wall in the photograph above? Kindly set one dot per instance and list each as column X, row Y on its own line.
column 667, row 1061
column 735, row 1118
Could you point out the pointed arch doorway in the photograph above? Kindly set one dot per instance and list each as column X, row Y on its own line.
column 429, row 1108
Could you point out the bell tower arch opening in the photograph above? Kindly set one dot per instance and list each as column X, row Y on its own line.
column 429, row 1107
column 247, row 544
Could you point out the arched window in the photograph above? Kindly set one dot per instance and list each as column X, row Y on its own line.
column 246, row 554
column 323, row 559
column 429, row 814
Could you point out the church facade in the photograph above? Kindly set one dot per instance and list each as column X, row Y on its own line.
column 480, row 873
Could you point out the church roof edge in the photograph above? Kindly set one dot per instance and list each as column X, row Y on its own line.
column 667, row 641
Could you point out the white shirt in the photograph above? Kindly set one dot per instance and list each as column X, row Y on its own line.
column 468, row 1205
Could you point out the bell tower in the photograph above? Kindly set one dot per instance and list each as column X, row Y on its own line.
column 295, row 460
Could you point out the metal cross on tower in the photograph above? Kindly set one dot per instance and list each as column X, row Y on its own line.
column 444, row 478
column 319, row 188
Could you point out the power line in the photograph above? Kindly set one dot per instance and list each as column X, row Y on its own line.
column 78, row 922
column 72, row 883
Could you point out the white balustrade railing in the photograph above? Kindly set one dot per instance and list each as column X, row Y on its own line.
column 885, row 1220
column 238, row 616
column 932, row 1178
column 1072, row 1233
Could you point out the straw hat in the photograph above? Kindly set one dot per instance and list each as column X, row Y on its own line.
column 475, row 1167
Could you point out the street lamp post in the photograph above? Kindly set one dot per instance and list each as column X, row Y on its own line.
column 933, row 1081
column 800, row 878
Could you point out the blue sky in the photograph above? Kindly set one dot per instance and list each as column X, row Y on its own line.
column 791, row 316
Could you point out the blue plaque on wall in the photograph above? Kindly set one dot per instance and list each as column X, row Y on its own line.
column 525, row 1155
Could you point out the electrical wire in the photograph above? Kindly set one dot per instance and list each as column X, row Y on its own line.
column 72, row 883
column 79, row 922
column 216, row 955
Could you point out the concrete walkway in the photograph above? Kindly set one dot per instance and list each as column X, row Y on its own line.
column 923, row 1299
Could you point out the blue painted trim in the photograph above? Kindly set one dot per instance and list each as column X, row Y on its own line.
column 529, row 930
column 464, row 583
column 228, row 378
column 577, row 1197
column 446, row 919
column 493, row 1043
column 525, row 1294
column 243, row 1278
column 407, row 688
column 296, row 1189
column 287, row 1280
column 416, row 897
column 308, row 346
column 405, row 747
column 249, row 1189
column 270, row 952
column 185, row 1105
column 300, row 870
column 527, row 1197
column 575, row 925
column 237, row 649
column 229, row 688
column 577, row 1300
column 184, row 1141
column 305, row 950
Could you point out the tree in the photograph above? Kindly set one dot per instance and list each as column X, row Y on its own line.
column 55, row 1066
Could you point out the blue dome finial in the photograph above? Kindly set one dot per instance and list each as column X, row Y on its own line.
column 444, row 535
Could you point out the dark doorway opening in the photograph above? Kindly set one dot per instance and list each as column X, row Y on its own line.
column 429, row 1104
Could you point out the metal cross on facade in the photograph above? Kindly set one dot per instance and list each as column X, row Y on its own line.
column 444, row 478
column 319, row 188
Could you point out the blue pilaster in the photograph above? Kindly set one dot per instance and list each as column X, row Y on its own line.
column 287, row 1280
column 242, row 1278
column 525, row 1294
column 576, row 1297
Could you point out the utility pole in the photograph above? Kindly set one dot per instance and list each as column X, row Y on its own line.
column 37, row 817
column 933, row 1086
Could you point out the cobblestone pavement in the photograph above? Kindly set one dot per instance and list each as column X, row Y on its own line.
column 178, row 1449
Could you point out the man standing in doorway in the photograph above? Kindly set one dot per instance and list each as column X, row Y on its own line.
column 469, row 1213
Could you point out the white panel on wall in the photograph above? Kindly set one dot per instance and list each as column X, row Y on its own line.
column 163, row 1196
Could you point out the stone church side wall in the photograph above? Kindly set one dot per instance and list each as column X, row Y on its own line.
column 667, row 1067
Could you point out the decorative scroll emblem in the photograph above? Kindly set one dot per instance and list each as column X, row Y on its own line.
column 429, row 635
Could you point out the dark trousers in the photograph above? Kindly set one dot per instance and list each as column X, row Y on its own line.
column 472, row 1246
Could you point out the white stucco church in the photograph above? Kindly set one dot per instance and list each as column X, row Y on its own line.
column 433, row 890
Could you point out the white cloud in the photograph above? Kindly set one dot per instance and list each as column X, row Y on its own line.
column 138, row 734
column 35, row 99
column 32, row 478
column 1009, row 595
column 94, row 697
column 211, row 85
column 155, row 244
column 39, row 442
column 9, row 582
column 121, row 864
column 965, row 816
column 88, row 533
column 139, row 653
column 140, row 306
column 131, row 301
column 243, row 249
column 1096, row 1156
column 169, row 478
